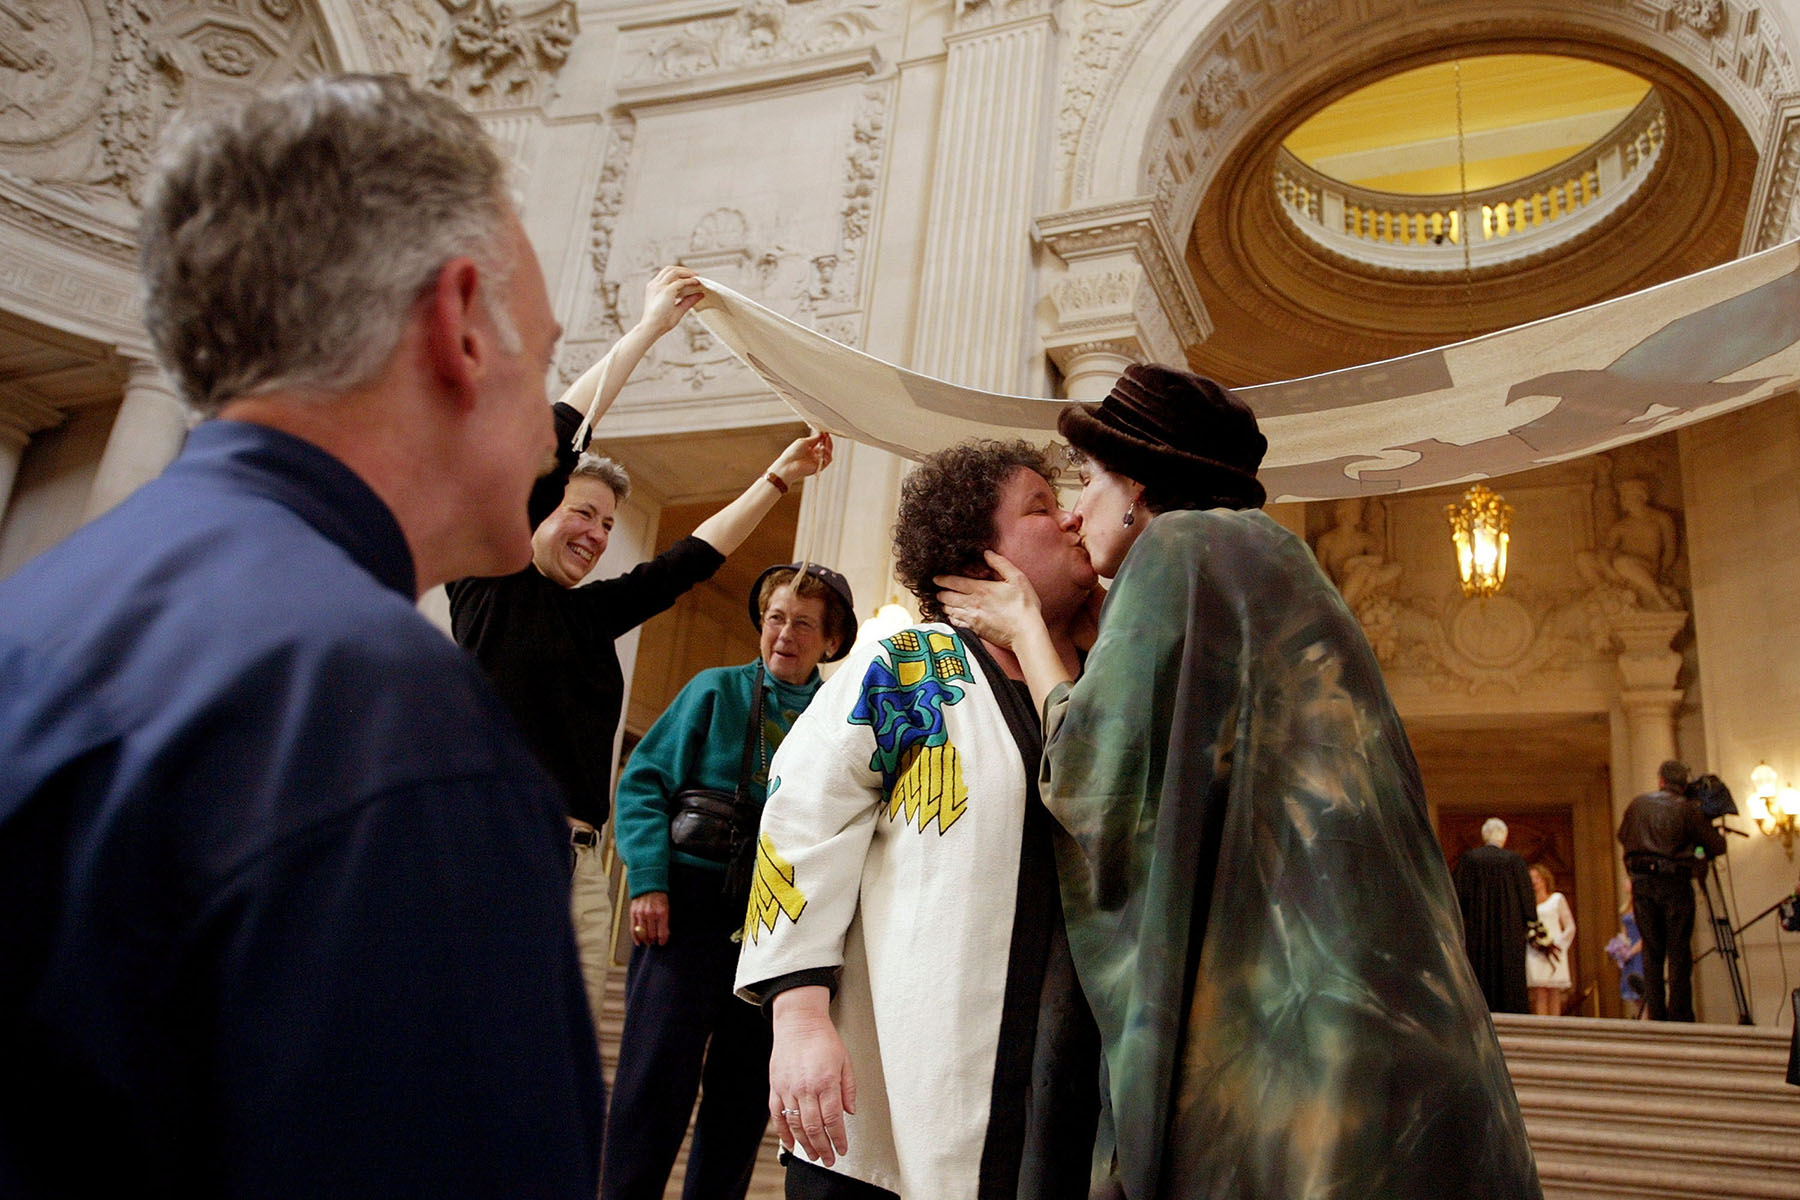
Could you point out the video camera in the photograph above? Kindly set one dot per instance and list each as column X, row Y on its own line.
column 1713, row 797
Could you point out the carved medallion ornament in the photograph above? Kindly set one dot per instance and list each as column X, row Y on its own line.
column 761, row 31
column 86, row 87
column 54, row 59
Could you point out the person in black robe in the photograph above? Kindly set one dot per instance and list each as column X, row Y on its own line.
column 1493, row 886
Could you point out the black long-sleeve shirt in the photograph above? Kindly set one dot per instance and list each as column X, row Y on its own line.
column 549, row 651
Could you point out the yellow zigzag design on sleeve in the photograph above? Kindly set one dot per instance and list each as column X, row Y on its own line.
column 929, row 787
column 772, row 891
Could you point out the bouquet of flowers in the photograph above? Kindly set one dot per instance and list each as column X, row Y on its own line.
column 1538, row 938
column 1619, row 949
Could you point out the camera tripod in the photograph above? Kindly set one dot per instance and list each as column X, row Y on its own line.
column 1718, row 916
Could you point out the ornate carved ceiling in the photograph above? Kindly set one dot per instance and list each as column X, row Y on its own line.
column 1282, row 307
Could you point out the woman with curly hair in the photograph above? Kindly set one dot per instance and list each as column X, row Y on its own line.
column 903, row 930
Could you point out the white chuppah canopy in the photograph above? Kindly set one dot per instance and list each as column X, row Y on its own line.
column 1555, row 389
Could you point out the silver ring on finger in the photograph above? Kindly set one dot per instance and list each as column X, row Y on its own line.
column 790, row 1112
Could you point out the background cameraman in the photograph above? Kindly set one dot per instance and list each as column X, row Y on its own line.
column 1661, row 834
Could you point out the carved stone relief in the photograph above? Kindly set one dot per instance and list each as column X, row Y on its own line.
column 1613, row 566
column 1636, row 560
column 1129, row 234
column 1104, row 32
column 761, row 31
column 86, row 86
column 493, row 54
column 54, row 61
column 809, row 270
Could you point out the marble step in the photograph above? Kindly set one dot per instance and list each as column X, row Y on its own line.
column 1637, row 1111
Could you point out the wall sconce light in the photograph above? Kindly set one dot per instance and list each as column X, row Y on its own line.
column 1480, row 526
column 1776, row 812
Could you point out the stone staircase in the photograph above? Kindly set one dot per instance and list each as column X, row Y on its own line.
column 1638, row 1111
column 1616, row 1110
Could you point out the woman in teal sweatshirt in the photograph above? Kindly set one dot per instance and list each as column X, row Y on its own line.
column 683, row 1027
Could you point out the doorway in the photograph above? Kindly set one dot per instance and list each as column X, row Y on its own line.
column 1549, row 778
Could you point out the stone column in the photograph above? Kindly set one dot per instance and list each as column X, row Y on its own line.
column 1124, row 296
column 976, row 292
column 1089, row 368
column 1647, row 671
column 146, row 436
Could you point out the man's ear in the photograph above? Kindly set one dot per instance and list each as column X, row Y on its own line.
column 457, row 340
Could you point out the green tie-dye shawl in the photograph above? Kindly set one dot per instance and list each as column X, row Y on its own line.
column 1257, row 908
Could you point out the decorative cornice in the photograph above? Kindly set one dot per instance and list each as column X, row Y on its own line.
column 862, row 62
column 31, row 207
column 758, row 39
column 1771, row 217
column 1132, row 226
column 978, row 16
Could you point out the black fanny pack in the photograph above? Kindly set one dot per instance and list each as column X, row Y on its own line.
column 706, row 823
column 720, row 826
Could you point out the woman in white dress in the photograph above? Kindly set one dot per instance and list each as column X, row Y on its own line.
column 1547, row 971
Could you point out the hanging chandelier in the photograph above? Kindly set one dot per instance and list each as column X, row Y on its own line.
column 1480, row 526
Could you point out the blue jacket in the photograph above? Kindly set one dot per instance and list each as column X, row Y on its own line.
column 285, row 895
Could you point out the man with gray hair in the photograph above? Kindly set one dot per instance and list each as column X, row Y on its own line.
column 286, row 910
column 1493, row 887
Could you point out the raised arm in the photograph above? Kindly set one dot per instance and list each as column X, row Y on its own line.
column 667, row 297
column 726, row 529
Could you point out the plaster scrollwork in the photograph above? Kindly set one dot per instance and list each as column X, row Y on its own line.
column 838, row 277
column 86, row 87
column 494, row 53
column 1076, row 296
column 609, row 197
column 760, row 31
column 1104, row 33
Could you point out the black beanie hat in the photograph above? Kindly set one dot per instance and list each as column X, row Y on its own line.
column 839, row 590
column 1177, row 433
